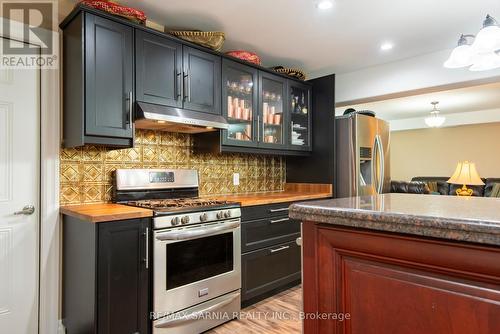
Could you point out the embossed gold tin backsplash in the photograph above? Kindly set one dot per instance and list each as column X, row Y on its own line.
column 86, row 173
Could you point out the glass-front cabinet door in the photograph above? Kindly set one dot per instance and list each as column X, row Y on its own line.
column 272, row 107
column 299, row 101
column 239, row 104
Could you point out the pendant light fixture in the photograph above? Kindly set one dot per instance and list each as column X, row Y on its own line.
column 481, row 51
column 434, row 120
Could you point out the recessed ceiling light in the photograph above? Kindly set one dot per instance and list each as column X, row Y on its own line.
column 386, row 46
column 325, row 4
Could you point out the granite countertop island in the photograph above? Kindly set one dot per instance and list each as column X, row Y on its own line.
column 401, row 263
column 471, row 219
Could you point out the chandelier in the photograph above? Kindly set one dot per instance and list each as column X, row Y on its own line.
column 434, row 120
column 480, row 52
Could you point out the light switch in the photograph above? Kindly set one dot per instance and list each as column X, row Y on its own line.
column 236, row 179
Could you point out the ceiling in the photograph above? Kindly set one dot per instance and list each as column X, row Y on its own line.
column 469, row 99
column 342, row 39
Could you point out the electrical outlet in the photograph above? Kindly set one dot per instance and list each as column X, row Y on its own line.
column 236, row 179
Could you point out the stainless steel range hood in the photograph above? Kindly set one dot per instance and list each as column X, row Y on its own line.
column 156, row 117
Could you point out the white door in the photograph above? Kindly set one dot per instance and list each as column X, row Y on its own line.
column 19, row 188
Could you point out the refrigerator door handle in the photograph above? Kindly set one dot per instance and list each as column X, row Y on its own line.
column 374, row 165
column 380, row 157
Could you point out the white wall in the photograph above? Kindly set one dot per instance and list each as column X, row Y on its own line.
column 412, row 74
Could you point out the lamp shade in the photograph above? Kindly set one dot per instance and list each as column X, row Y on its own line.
column 461, row 56
column 466, row 174
column 434, row 120
column 487, row 40
column 487, row 61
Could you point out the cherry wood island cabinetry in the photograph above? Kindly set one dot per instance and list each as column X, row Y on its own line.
column 400, row 263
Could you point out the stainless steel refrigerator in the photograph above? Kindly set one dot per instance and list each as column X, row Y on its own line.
column 362, row 155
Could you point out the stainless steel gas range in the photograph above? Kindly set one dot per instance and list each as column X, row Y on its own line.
column 196, row 249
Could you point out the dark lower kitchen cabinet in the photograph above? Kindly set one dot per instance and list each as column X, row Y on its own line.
column 271, row 258
column 268, row 269
column 158, row 69
column 98, row 82
column 106, row 276
column 267, row 232
column 202, row 81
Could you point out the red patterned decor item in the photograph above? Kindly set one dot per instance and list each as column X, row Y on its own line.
column 132, row 14
column 245, row 55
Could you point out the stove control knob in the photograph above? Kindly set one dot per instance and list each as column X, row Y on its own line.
column 185, row 220
column 175, row 221
column 227, row 214
column 203, row 217
column 220, row 215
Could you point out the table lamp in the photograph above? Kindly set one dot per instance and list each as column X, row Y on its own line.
column 466, row 174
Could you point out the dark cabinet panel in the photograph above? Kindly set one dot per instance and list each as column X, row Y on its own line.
column 270, row 255
column 267, row 232
column 106, row 276
column 264, row 211
column 269, row 268
column 158, row 70
column 202, row 81
column 240, row 104
column 123, row 277
column 109, row 78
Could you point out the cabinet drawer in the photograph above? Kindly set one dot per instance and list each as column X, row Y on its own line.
column 269, row 268
column 264, row 211
column 268, row 232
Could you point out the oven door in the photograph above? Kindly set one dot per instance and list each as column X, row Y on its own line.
column 193, row 264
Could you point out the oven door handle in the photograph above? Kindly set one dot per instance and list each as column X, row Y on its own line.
column 194, row 233
column 172, row 321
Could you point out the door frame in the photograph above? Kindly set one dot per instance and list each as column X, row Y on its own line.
column 49, row 236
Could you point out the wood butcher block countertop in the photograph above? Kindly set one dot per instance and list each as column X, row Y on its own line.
column 293, row 192
column 96, row 213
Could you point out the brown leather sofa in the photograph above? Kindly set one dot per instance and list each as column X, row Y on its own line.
column 420, row 185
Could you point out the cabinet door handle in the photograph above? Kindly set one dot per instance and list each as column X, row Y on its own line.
column 186, row 84
column 178, row 85
column 279, row 249
column 130, row 110
column 278, row 210
column 258, row 127
column 146, row 242
column 279, row 220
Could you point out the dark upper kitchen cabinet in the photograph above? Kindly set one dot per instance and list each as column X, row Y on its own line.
column 106, row 276
column 273, row 111
column 240, row 104
column 158, row 69
column 98, row 82
column 110, row 64
column 170, row 74
column 202, row 81
column 299, row 116
column 262, row 111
